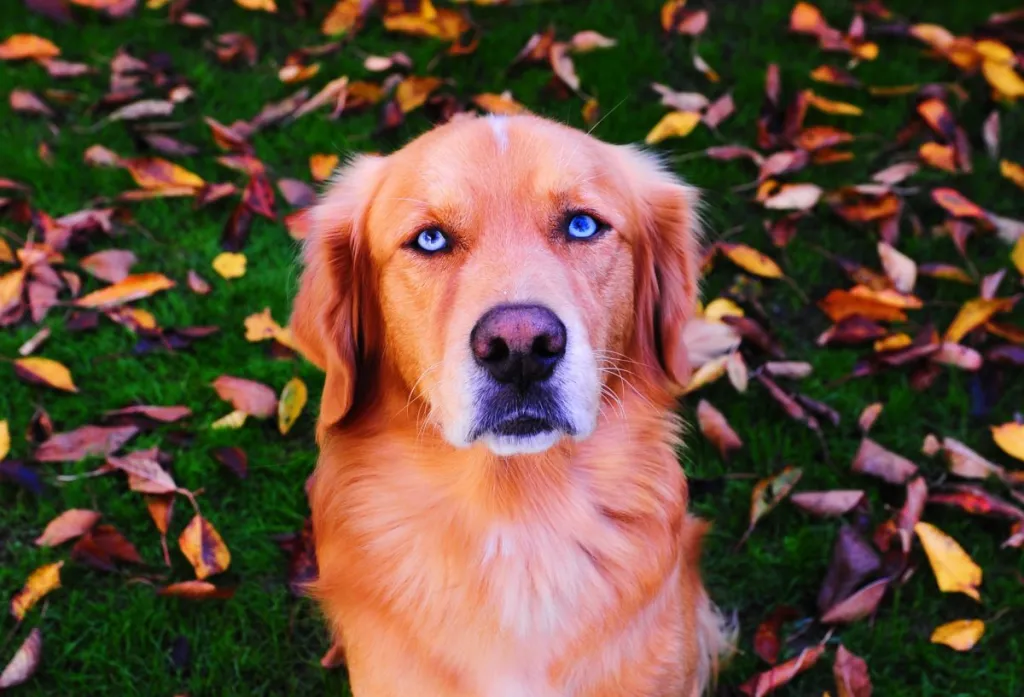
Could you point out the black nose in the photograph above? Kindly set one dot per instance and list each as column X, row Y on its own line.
column 518, row 344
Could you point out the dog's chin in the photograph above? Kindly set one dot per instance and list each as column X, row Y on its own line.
column 507, row 445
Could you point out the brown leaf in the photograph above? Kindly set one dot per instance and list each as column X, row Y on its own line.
column 851, row 674
column 853, row 561
column 769, row 492
column 876, row 461
column 84, row 442
column 102, row 546
column 767, row 682
column 767, row 643
column 112, row 265
column 717, row 430
column 259, row 196
column 234, row 458
column 203, row 547
column 25, row 661
column 143, row 109
column 67, row 526
column 39, row 583
column 27, row 102
column 253, row 398
column 164, row 415
column 827, row 504
column 302, row 563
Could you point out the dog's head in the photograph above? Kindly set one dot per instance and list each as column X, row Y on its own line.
column 508, row 270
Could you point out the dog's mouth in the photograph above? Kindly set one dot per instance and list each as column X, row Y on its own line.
column 520, row 422
column 523, row 426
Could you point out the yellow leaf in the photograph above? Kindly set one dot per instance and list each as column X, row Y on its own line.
column 157, row 173
column 675, row 124
column 499, row 104
column 749, row 259
column 290, row 74
column 321, row 166
column 342, row 17
column 954, row 569
column 5, row 439
column 45, row 371
column 413, row 91
column 1003, row 78
column 235, row 419
column 973, row 314
column 961, row 635
column 134, row 287
column 832, row 107
column 707, row 374
column 40, row 582
column 289, row 406
column 230, row 264
column 993, row 50
column 263, row 5
column 1017, row 255
column 1012, row 171
column 1010, row 437
column 203, row 547
column 11, row 285
column 722, row 307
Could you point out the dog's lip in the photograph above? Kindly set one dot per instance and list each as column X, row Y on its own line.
column 523, row 426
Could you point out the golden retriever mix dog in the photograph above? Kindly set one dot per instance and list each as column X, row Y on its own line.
column 498, row 506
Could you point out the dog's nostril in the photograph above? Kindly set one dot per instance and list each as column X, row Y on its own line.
column 497, row 350
column 518, row 344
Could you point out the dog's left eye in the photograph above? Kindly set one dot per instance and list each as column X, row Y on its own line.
column 582, row 227
column 431, row 240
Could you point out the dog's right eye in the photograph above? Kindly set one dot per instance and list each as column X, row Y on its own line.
column 431, row 240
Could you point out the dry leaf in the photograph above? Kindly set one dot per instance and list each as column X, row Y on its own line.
column 40, row 582
column 717, row 430
column 851, row 674
column 5, row 439
column 111, row 265
column 145, row 474
column 767, row 682
column 230, row 265
column 413, row 91
column 44, row 371
column 197, row 590
column 954, row 569
column 828, row 504
column 87, row 441
column 1010, row 438
column 289, row 407
column 322, row 166
column 861, row 604
column 769, row 492
column 749, row 259
column 961, row 635
column 21, row 46
column 25, row 661
column 261, row 5
column 586, row 41
column 67, row 526
column 127, row 290
column 155, row 173
column 875, row 460
column 901, row 269
column 253, row 398
column 675, row 124
column 794, row 197
column 973, row 314
column 829, row 106
column 203, row 547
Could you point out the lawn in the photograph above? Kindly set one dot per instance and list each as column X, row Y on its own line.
column 108, row 632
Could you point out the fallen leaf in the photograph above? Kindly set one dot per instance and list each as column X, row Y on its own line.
column 856, row 607
column 957, row 205
column 102, row 546
column 203, row 547
column 829, row 106
column 234, row 420
column 289, row 407
column 799, row 197
column 22, row 46
column 112, row 265
column 145, row 474
column 769, row 492
column 230, row 265
column 128, row 289
column 954, row 569
column 966, row 463
column 413, row 91
column 851, row 674
column 253, row 398
column 501, row 104
column 767, row 682
column 87, row 441
column 1010, row 438
column 155, row 173
column 973, row 314
column 45, row 371
column 853, row 561
column 749, row 259
column 767, row 643
column 67, row 526
column 960, row 635
column 39, row 583
column 197, row 590
column 901, row 269
column 25, row 661
column 143, row 109
column 260, row 5
column 322, row 166
column 675, row 124
column 827, row 504
column 976, row 501
column 875, row 460
column 1002, row 77
column 717, row 430
column 26, row 102
column 234, row 459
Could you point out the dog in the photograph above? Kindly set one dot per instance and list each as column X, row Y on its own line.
column 498, row 505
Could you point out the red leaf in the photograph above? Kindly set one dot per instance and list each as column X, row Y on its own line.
column 828, row 504
column 254, row 398
column 851, row 674
column 861, row 604
column 234, row 459
column 102, row 546
column 779, row 676
column 875, row 460
column 145, row 474
column 259, row 196
column 84, row 442
column 67, row 526
column 236, row 230
column 766, row 641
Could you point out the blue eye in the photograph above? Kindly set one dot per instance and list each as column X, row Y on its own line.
column 582, row 227
column 431, row 240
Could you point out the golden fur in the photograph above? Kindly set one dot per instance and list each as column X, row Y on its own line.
column 447, row 570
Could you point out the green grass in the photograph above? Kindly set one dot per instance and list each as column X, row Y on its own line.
column 106, row 635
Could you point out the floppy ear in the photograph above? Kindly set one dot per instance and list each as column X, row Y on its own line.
column 333, row 316
column 666, row 258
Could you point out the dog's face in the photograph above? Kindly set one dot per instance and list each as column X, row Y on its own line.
column 507, row 269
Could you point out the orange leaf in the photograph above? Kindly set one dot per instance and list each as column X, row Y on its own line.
column 145, row 474
column 196, row 590
column 806, row 19
column 40, row 582
column 831, row 107
column 499, row 104
column 751, row 260
column 443, row 24
column 717, row 430
column 68, row 525
column 1012, row 171
column 322, row 166
column 937, row 115
column 157, row 173
column 413, row 91
column 134, row 287
column 19, row 46
column 343, row 17
column 203, row 547
column 840, row 304
column 1010, row 437
column 1003, row 78
column 261, row 5
column 45, row 371
column 938, row 156
column 973, row 314
column 954, row 569
column 958, row 205
column 11, row 287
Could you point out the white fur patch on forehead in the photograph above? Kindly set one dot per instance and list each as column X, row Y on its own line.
column 499, row 126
